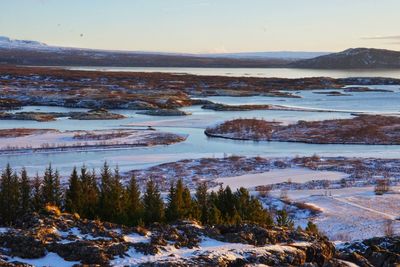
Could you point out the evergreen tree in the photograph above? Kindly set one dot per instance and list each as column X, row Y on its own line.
column 9, row 196
column 214, row 215
column 174, row 210
column 117, row 198
column 58, row 193
column 226, row 203
column 48, row 186
column 153, row 204
column 74, row 194
column 90, row 194
column 37, row 199
column 243, row 203
column 105, row 202
column 258, row 214
column 188, row 207
column 134, row 204
column 25, row 193
column 51, row 190
column 312, row 228
column 283, row 219
column 202, row 202
column 250, row 208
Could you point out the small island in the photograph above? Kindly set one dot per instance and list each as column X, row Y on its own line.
column 36, row 140
column 362, row 129
column 94, row 114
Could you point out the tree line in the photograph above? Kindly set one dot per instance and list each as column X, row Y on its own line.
column 106, row 198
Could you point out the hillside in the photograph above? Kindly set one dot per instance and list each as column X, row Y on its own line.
column 354, row 58
column 23, row 52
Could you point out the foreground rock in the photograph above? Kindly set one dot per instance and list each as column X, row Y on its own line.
column 380, row 252
column 363, row 129
column 84, row 242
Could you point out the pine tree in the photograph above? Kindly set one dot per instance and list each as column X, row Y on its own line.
column 250, row 208
column 9, row 196
column 153, row 204
column 105, row 202
column 25, row 193
column 74, row 194
column 283, row 219
column 187, row 205
column 118, row 198
column 37, row 199
column 51, row 190
column 214, row 215
column 174, row 210
column 90, row 194
column 312, row 228
column 58, row 193
column 226, row 203
column 243, row 203
column 202, row 202
column 48, row 186
column 134, row 204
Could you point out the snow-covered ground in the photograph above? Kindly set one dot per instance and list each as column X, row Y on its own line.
column 351, row 213
column 51, row 259
column 274, row 176
column 207, row 246
column 54, row 139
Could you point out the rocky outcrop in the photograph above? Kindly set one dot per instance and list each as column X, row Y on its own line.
column 94, row 242
column 378, row 252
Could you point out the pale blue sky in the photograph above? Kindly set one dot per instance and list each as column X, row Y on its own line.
column 205, row 25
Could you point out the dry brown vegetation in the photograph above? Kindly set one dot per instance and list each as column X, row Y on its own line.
column 133, row 90
column 365, row 129
column 18, row 132
column 101, row 136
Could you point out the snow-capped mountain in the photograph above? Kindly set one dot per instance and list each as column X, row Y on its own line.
column 8, row 43
column 353, row 58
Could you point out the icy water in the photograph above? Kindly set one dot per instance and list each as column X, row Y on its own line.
column 198, row 145
column 256, row 72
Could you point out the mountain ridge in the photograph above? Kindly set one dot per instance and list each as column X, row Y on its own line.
column 25, row 52
column 353, row 58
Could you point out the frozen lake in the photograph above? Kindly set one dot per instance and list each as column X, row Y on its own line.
column 256, row 72
column 198, row 145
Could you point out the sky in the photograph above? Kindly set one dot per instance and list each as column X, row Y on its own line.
column 205, row 26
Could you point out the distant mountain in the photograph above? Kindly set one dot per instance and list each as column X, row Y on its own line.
column 354, row 58
column 22, row 52
column 25, row 52
column 6, row 42
column 278, row 54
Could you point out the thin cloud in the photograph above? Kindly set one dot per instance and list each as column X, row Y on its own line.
column 388, row 37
